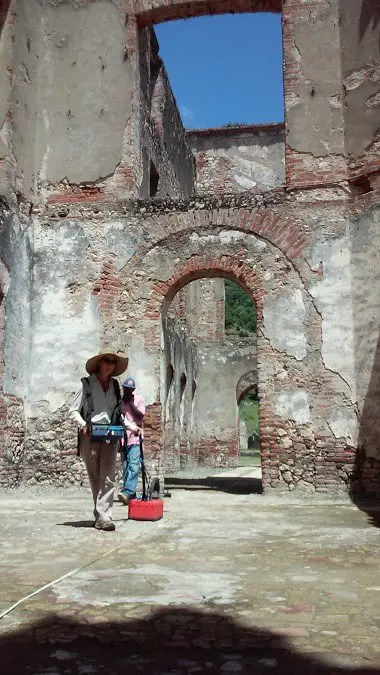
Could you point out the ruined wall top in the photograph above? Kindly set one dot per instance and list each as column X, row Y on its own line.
column 111, row 123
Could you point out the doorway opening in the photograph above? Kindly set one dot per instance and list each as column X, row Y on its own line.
column 209, row 339
column 249, row 434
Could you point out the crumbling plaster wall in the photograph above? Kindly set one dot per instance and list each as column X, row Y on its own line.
column 313, row 93
column 236, row 159
column 15, row 336
column 360, row 45
column 305, row 251
column 71, row 92
column 74, row 291
column 312, row 349
column 315, row 113
column 215, row 410
column 364, row 235
column 169, row 125
column 6, row 56
column 205, row 300
column 179, row 372
column 291, row 372
column 199, row 309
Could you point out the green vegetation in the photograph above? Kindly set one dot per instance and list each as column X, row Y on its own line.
column 240, row 311
column 249, row 413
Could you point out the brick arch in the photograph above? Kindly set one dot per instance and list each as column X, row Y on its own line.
column 161, row 295
column 283, row 232
column 246, row 382
column 167, row 10
column 198, row 267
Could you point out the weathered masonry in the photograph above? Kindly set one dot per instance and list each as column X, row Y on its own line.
column 109, row 209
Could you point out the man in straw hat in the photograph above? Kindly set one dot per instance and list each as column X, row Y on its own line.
column 98, row 401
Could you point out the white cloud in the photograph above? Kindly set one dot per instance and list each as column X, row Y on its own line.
column 186, row 112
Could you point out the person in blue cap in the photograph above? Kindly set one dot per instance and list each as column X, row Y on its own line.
column 133, row 407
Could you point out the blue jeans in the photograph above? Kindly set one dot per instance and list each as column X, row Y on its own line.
column 131, row 469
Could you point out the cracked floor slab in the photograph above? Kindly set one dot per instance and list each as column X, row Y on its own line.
column 230, row 581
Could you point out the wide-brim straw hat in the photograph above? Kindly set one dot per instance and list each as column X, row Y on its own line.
column 121, row 362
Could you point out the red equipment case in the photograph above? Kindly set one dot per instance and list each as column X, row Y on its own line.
column 145, row 508
column 152, row 509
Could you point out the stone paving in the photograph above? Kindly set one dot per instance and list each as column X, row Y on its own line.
column 230, row 581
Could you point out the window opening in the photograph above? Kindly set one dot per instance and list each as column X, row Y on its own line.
column 240, row 82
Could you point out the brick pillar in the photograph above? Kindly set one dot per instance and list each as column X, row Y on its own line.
column 315, row 152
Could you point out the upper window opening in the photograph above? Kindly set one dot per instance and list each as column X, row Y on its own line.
column 154, row 180
column 225, row 70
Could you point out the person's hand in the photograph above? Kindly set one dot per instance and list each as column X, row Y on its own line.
column 84, row 431
column 139, row 431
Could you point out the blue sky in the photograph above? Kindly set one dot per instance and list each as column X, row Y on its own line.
column 225, row 68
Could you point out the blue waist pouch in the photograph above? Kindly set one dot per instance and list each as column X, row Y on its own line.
column 100, row 433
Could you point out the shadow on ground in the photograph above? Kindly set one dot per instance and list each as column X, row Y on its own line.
column 233, row 485
column 370, row 506
column 171, row 640
column 78, row 523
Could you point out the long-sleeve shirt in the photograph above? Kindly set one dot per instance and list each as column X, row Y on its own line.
column 130, row 417
column 104, row 403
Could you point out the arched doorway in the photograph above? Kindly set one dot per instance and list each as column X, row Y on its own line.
column 192, row 248
column 205, row 333
column 249, row 426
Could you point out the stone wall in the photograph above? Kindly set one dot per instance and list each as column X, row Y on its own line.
column 360, row 39
column 179, row 370
column 6, row 57
column 72, row 133
column 111, row 123
column 199, row 311
column 205, row 310
column 220, row 366
column 237, row 159
column 163, row 141
column 85, row 263
column 15, row 336
column 316, row 356
column 292, row 258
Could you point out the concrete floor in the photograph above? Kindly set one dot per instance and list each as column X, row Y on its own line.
column 230, row 581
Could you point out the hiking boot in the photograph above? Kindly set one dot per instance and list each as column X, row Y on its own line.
column 107, row 525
